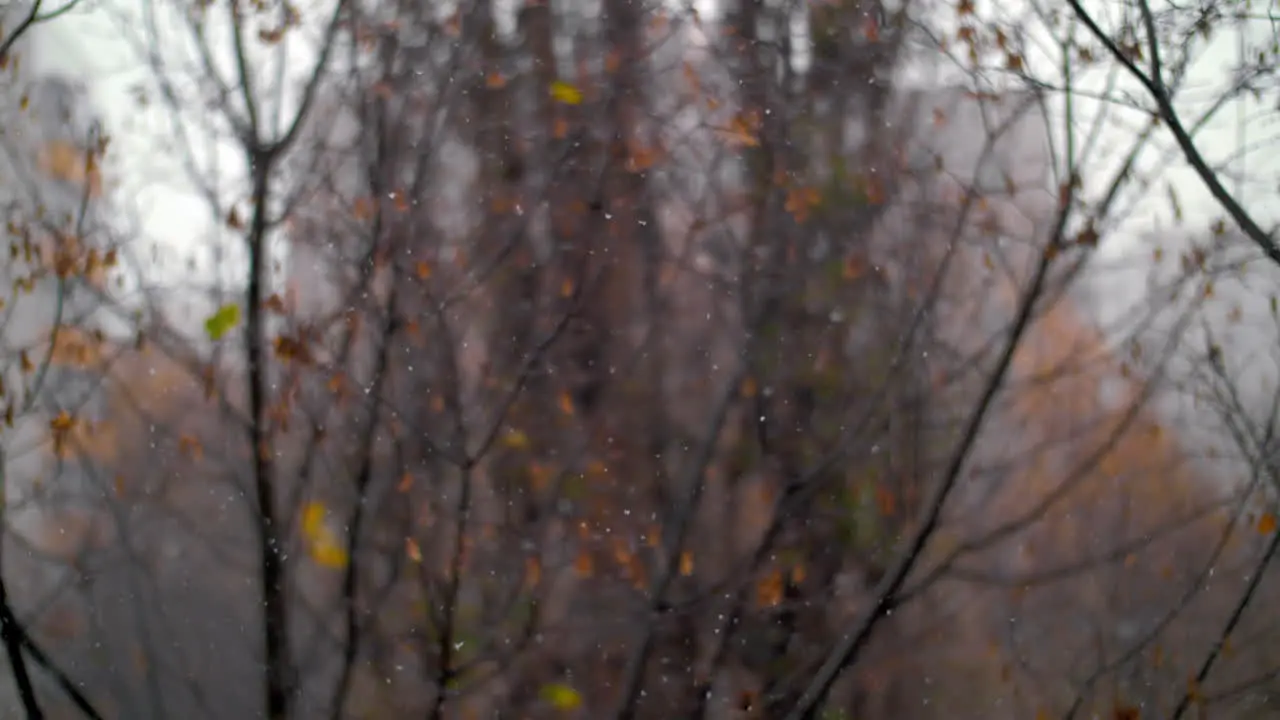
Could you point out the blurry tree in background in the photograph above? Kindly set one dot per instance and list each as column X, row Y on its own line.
column 606, row 360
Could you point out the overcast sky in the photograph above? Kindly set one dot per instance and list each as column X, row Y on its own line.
column 91, row 46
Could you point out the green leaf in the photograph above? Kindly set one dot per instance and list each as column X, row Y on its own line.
column 561, row 696
column 222, row 321
column 566, row 93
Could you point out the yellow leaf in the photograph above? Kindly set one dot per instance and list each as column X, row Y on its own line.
column 321, row 542
column 566, row 93
column 329, row 554
column 313, row 519
column 222, row 321
column 516, row 440
column 411, row 548
column 62, row 422
column 561, row 696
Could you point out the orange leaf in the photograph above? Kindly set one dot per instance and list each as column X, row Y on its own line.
column 532, row 572
column 870, row 30
column 189, row 446
column 621, row 551
column 798, row 574
column 337, row 383
column 495, row 81
column 800, row 200
column 886, row 501
column 741, row 132
column 658, row 22
column 406, row 482
column 686, row 563
column 691, row 77
column 64, row 161
column 1267, row 523
column 640, row 158
column 873, row 189
column 583, row 564
column 539, row 476
column 854, row 268
column 271, row 36
column 453, row 25
column 769, row 590
column 566, row 404
column 1127, row 712
column 363, row 208
column 423, row 269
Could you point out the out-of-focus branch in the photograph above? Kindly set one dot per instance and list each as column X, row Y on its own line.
column 886, row 595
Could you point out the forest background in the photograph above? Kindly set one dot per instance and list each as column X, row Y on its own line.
column 619, row 359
